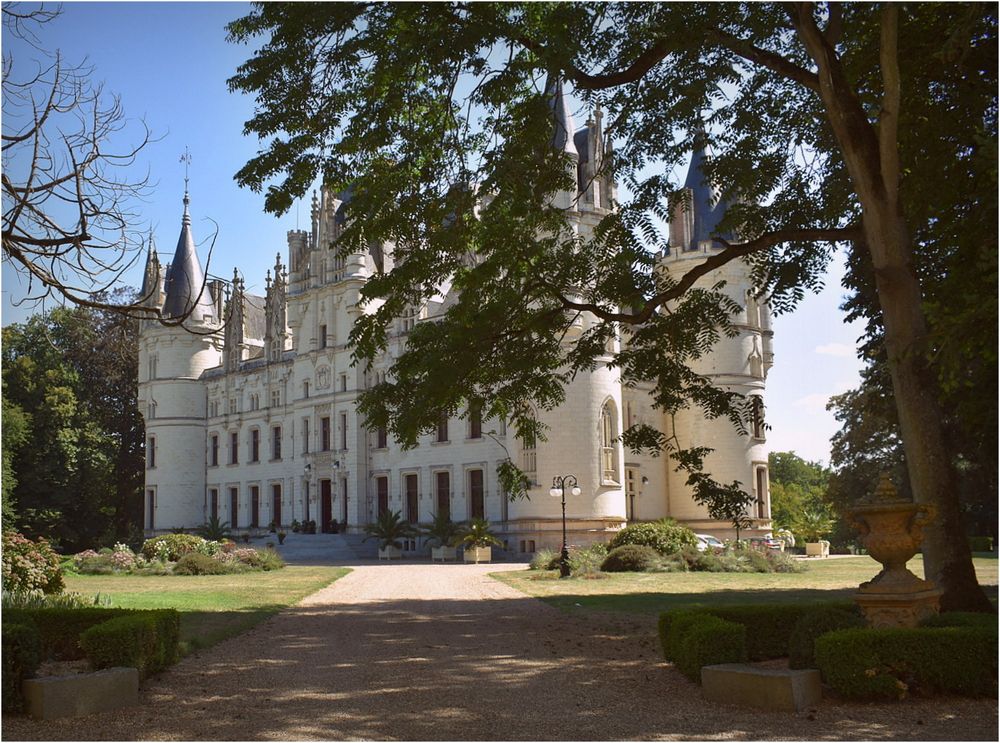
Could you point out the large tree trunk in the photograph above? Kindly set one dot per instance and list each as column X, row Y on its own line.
column 872, row 161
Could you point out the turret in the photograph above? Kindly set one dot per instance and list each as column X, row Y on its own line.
column 187, row 293
column 563, row 141
column 275, row 313
column 700, row 206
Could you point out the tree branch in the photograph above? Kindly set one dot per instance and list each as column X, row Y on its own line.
column 889, row 115
column 770, row 60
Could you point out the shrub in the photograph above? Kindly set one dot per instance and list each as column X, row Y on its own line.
column 44, row 601
column 981, row 544
column 195, row 563
column 270, row 560
column 587, row 560
column 146, row 640
column 209, row 548
column 29, row 566
column 666, row 536
column 21, row 658
column 96, row 565
column 630, row 558
column 960, row 619
column 544, row 560
column 707, row 641
column 812, row 624
column 60, row 629
column 177, row 545
column 122, row 561
column 890, row 663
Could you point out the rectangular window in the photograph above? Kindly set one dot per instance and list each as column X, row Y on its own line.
column 276, row 504
column 442, row 432
column 382, row 489
column 214, row 455
column 254, row 506
column 151, row 452
column 234, row 507
column 150, row 508
column 343, row 431
column 305, row 435
column 477, row 504
column 324, row 433
column 758, row 417
column 305, row 389
column 443, row 482
column 343, row 383
column 411, row 499
column 381, row 438
column 276, row 442
column 475, row 422
column 254, row 445
column 213, row 503
column 275, row 398
column 232, row 405
column 761, row 474
column 234, row 447
column 322, row 336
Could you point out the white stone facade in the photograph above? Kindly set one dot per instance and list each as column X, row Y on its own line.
column 259, row 423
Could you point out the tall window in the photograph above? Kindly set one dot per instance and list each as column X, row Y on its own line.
column 305, row 389
column 276, row 504
column 758, row 416
column 382, row 489
column 324, row 433
column 254, row 445
column 760, row 482
column 254, row 506
column 151, row 452
column 322, row 336
column 213, row 456
column 442, row 432
column 475, row 422
column 234, row 507
column 234, row 447
column 213, row 503
column 305, row 435
column 275, row 398
column 443, row 483
column 477, row 505
column 343, row 431
column 381, row 438
column 411, row 498
column 276, row 442
column 343, row 383
column 529, row 455
column 609, row 463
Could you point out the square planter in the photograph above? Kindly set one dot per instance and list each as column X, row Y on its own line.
column 478, row 554
column 817, row 549
column 443, row 553
column 390, row 553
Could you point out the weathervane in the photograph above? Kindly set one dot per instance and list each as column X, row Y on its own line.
column 186, row 159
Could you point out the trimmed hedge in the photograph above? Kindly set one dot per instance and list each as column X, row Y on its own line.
column 981, row 544
column 666, row 536
column 60, row 629
column 630, row 558
column 22, row 655
column 692, row 639
column 770, row 626
column 813, row 624
column 960, row 619
column 146, row 640
column 889, row 663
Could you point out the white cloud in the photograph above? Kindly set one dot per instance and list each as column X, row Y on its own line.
column 836, row 349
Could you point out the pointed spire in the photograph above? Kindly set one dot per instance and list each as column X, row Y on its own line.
column 151, row 275
column 705, row 207
column 563, row 127
column 186, row 289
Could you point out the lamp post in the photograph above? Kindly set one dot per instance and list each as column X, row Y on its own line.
column 559, row 485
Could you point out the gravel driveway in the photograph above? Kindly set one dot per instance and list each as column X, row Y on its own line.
column 444, row 652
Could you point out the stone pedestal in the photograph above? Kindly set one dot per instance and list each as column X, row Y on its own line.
column 898, row 609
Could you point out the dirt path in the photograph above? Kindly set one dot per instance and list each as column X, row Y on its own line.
column 443, row 652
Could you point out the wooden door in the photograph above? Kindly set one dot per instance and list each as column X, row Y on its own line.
column 255, row 507
column 343, row 489
column 382, row 488
column 412, row 514
column 326, row 505
column 477, row 505
column 234, row 507
column 276, row 504
column 443, row 494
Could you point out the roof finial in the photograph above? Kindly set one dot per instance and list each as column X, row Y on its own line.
column 186, row 159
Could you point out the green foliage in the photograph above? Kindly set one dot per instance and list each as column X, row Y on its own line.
column 442, row 530
column 268, row 560
column 478, row 534
column 630, row 558
column 692, row 639
column 195, row 563
column 960, row 619
column 665, row 536
column 175, row 546
column 69, row 387
column 21, row 658
column 587, row 561
column 874, row 664
column 15, row 427
column 812, row 624
column 214, row 530
column 796, row 486
column 32, row 600
column 29, row 566
column 147, row 640
column 544, row 559
column 60, row 629
column 812, row 526
column 389, row 529
column 738, row 561
column 981, row 544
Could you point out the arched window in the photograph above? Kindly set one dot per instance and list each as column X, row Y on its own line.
column 609, row 448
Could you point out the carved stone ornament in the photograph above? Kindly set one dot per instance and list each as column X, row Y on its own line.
column 323, row 378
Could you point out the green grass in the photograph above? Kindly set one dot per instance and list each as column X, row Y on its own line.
column 213, row 607
column 651, row 593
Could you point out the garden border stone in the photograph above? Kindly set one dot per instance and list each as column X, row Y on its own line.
column 764, row 688
column 52, row 697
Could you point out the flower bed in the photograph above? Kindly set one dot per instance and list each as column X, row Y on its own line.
column 176, row 554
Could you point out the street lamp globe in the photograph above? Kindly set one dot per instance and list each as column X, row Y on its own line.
column 556, row 492
column 576, row 491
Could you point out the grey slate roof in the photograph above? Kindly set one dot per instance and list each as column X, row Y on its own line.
column 562, row 132
column 185, row 283
column 254, row 322
column 706, row 202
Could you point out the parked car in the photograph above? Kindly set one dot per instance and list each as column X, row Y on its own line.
column 768, row 542
column 706, row 541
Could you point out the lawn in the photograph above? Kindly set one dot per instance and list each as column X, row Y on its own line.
column 213, row 607
column 651, row 593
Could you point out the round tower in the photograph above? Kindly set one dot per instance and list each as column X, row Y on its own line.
column 737, row 363
column 172, row 358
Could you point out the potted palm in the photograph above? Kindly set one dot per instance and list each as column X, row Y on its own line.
column 812, row 526
column 442, row 535
column 478, row 541
column 389, row 529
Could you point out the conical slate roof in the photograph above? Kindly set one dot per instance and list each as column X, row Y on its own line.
column 562, row 133
column 706, row 203
column 185, row 283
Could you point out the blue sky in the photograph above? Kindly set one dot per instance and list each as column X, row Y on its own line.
column 169, row 62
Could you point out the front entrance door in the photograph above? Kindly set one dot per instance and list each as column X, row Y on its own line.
column 411, row 499
column 326, row 505
column 476, row 497
column 234, row 507
column 443, row 494
column 150, row 509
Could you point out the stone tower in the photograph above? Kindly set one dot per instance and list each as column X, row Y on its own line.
column 172, row 358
